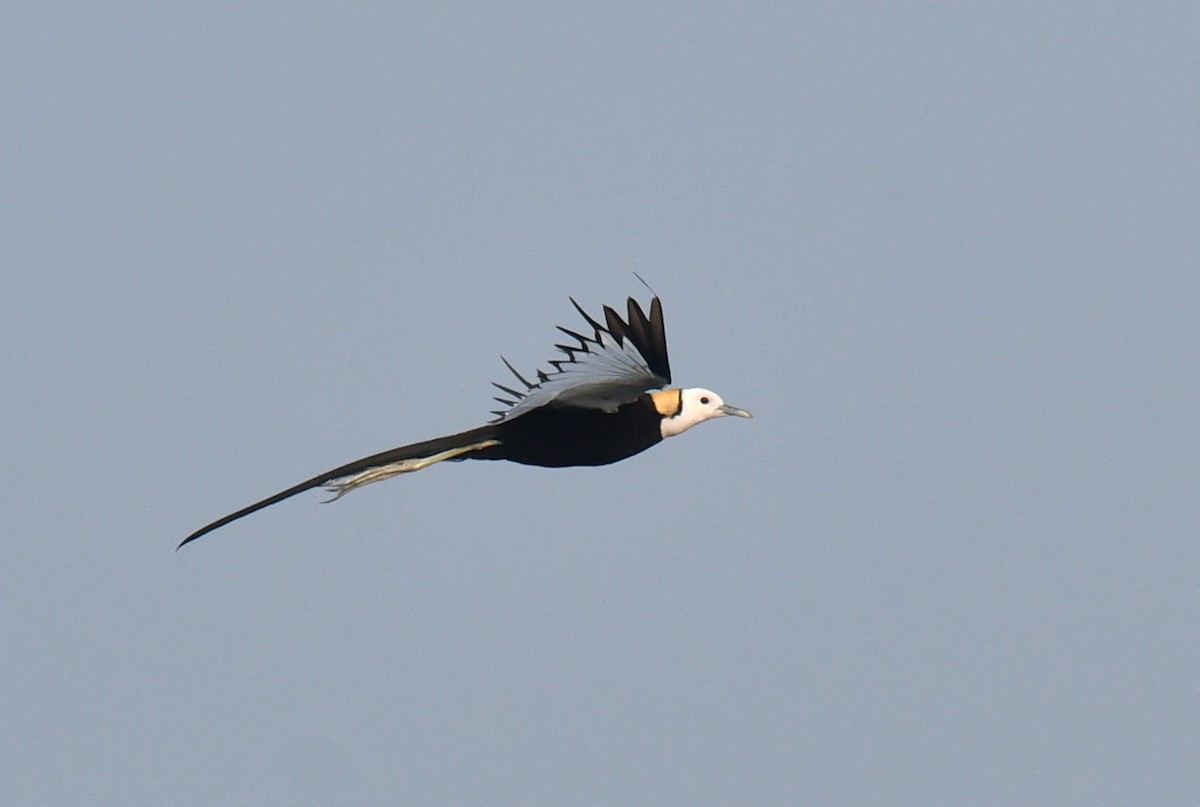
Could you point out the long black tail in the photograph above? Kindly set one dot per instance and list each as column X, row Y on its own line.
column 417, row 451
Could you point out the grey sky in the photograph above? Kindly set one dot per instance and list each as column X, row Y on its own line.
column 946, row 255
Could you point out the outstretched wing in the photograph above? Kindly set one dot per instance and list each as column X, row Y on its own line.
column 621, row 360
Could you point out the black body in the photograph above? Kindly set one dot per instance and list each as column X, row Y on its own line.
column 556, row 436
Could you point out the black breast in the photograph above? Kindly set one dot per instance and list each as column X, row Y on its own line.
column 557, row 436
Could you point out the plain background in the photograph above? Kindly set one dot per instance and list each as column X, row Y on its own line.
column 945, row 253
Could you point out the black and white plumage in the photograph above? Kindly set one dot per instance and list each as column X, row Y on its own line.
column 606, row 401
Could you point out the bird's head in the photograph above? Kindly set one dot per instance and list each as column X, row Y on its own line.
column 681, row 409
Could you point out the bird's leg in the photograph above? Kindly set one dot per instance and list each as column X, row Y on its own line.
column 340, row 487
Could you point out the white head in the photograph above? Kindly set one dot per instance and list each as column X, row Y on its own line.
column 684, row 408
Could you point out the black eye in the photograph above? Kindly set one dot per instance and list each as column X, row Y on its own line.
column 704, row 400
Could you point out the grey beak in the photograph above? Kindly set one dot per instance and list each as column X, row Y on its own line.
column 726, row 409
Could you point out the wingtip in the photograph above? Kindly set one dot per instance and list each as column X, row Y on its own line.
column 588, row 317
column 513, row 370
column 647, row 285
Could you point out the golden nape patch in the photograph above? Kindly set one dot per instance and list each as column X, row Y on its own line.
column 668, row 402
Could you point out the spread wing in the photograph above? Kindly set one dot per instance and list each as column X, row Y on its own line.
column 621, row 360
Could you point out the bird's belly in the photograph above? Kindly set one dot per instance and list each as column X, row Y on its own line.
column 564, row 438
column 569, row 455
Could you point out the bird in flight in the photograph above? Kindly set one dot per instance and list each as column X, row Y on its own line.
column 608, row 399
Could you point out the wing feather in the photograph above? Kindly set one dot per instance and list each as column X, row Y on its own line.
column 513, row 370
column 620, row 361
